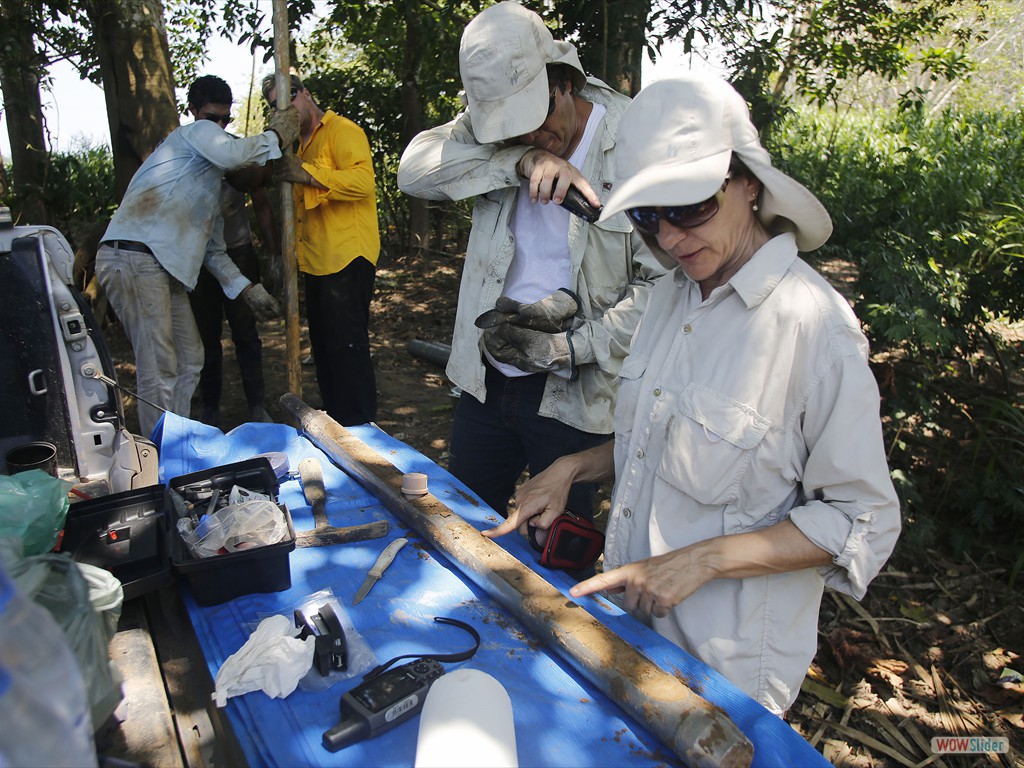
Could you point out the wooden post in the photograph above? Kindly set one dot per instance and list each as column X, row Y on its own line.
column 282, row 82
column 700, row 733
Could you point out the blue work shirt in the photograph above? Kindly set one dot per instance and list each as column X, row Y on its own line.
column 173, row 203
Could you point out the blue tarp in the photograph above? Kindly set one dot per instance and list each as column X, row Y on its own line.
column 560, row 718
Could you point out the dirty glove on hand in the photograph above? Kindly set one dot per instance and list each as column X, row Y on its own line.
column 262, row 304
column 289, row 168
column 285, row 123
column 555, row 312
column 530, row 350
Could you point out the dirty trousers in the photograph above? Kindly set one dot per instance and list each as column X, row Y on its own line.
column 154, row 309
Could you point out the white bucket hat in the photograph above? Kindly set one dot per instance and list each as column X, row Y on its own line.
column 674, row 146
column 502, row 60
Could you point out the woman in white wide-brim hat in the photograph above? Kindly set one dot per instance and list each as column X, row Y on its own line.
column 748, row 458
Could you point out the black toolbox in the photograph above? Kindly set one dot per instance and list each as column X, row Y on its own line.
column 125, row 533
column 223, row 577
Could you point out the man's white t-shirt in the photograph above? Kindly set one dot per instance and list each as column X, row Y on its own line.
column 542, row 263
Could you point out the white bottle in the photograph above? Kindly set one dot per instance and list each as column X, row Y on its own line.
column 44, row 710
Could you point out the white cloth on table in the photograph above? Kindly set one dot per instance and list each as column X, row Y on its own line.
column 272, row 660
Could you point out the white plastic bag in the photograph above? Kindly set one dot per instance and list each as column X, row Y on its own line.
column 235, row 527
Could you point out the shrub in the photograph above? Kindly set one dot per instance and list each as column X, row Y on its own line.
column 927, row 209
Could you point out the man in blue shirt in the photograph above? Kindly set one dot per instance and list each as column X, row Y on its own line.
column 168, row 226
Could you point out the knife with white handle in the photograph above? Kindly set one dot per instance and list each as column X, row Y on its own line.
column 383, row 561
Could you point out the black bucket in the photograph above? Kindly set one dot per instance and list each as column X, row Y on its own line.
column 37, row 455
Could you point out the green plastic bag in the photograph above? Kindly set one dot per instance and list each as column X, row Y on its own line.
column 33, row 508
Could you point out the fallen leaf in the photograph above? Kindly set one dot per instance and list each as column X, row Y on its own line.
column 852, row 649
column 914, row 612
column 889, row 670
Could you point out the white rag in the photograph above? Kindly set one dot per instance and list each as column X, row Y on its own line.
column 272, row 660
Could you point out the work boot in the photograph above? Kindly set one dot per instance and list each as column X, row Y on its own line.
column 259, row 414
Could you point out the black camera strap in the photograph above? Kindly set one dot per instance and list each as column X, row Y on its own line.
column 452, row 657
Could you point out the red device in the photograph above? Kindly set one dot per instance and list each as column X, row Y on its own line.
column 572, row 543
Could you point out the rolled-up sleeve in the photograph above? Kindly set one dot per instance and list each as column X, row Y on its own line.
column 851, row 508
column 606, row 340
column 447, row 163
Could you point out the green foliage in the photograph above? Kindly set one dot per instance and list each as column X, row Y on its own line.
column 928, row 211
column 189, row 25
column 925, row 206
column 813, row 48
column 80, row 188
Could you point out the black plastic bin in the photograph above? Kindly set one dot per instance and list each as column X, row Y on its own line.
column 125, row 533
column 218, row 579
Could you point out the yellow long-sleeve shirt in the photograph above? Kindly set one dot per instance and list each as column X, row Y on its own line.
column 337, row 224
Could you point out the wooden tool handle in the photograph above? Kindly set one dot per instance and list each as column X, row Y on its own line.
column 312, row 476
column 326, row 536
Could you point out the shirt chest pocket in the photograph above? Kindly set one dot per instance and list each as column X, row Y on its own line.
column 710, row 442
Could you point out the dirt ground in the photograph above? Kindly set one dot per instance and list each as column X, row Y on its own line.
column 921, row 656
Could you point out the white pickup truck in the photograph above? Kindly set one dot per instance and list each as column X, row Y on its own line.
column 56, row 370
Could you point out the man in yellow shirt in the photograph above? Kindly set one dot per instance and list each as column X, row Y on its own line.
column 338, row 244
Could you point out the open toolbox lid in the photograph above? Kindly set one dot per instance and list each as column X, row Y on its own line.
column 125, row 533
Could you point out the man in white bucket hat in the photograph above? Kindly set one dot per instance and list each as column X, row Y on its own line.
column 748, row 458
column 548, row 301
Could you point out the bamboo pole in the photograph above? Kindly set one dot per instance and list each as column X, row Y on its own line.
column 700, row 733
column 282, row 82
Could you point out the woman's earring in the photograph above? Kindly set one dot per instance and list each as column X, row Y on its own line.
column 755, row 206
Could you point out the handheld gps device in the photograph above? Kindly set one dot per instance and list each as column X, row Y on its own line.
column 382, row 702
column 390, row 696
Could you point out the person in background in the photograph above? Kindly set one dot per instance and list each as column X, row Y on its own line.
column 210, row 306
column 338, row 247
column 748, row 459
column 167, row 226
column 548, row 302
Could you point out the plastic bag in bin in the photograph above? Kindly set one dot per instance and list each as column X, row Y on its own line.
column 233, row 528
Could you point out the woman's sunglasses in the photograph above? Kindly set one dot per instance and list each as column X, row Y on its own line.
column 647, row 220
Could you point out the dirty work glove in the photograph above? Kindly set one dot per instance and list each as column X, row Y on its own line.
column 262, row 304
column 560, row 311
column 285, row 123
column 530, row 350
column 289, row 168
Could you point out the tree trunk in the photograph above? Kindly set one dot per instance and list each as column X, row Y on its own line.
column 412, row 123
column 20, row 65
column 135, row 64
column 626, row 39
column 610, row 36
